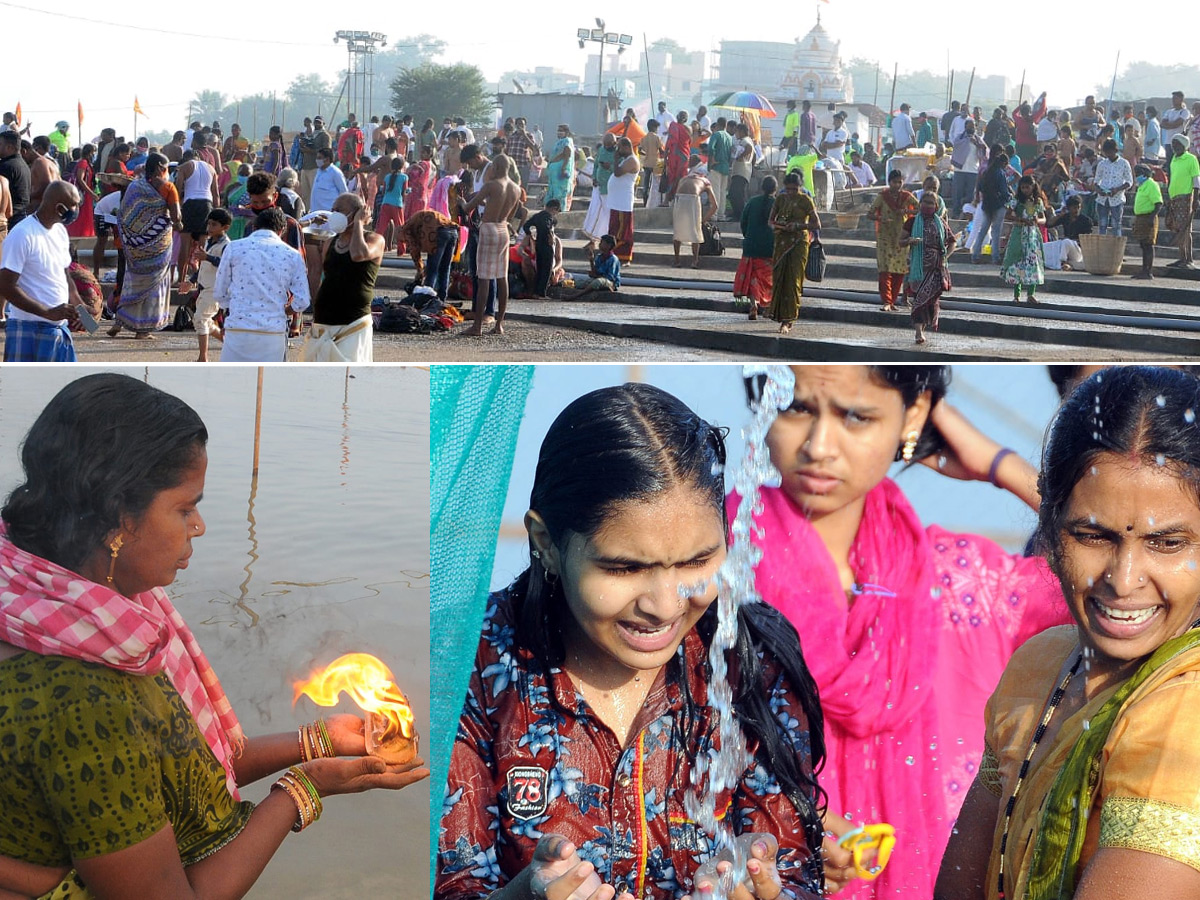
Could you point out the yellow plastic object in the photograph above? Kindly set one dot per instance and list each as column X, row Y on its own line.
column 880, row 837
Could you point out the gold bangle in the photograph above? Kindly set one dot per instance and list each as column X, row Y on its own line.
column 323, row 734
column 303, row 749
column 310, row 789
column 304, row 810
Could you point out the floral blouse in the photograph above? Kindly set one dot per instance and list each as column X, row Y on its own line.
column 531, row 758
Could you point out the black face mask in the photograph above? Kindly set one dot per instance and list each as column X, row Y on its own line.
column 68, row 216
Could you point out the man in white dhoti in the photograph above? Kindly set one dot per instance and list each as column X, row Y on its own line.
column 595, row 223
column 259, row 278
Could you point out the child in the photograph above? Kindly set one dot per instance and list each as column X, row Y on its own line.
column 606, row 270
column 1146, row 203
column 209, row 257
column 391, row 212
column 1024, row 262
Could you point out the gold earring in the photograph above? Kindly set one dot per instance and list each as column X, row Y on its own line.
column 115, row 547
column 910, row 446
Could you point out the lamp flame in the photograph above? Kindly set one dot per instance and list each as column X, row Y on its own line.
column 372, row 686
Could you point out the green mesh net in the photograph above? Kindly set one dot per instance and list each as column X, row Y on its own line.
column 474, row 415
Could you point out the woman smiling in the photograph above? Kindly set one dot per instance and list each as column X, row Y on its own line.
column 1092, row 773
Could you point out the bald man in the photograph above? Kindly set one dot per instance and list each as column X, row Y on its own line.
column 42, row 299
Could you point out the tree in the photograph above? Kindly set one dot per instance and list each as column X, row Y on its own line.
column 1143, row 80
column 207, row 105
column 433, row 91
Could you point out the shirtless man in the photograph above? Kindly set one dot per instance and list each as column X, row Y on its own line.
column 687, row 218
column 499, row 198
column 42, row 170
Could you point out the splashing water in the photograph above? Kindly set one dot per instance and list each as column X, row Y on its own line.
column 1189, row 416
column 721, row 769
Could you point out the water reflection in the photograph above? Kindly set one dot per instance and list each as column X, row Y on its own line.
column 323, row 552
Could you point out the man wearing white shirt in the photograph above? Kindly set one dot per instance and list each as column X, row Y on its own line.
column 42, row 299
column 864, row 175
column 1047, row 128
column 903, row 134
column 256, row 277
column 834, row 142
column 1174, row 121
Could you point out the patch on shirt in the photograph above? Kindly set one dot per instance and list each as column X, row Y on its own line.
column 527, row 791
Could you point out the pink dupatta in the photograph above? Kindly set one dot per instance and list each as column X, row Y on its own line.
column 47, row 609
column 874, row 662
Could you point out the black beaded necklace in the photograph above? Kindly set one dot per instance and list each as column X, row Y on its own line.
column 1055, row 700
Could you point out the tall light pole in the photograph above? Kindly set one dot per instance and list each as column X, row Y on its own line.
column 360, row 69
column 599, row 36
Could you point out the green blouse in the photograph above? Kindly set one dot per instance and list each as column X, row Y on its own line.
column 97, row 760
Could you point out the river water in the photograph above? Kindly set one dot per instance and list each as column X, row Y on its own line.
column 326, row 554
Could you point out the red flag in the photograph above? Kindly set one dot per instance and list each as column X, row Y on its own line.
column 18, row 112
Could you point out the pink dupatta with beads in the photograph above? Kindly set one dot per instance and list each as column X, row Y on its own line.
column 47, row 609
column 874, row 662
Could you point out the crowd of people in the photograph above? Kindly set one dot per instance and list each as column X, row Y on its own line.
column 1006, row 185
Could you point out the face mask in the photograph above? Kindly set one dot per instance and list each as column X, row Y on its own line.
column 321, row 164
column 1140, row 179
column 242, row 179
column 68, row 216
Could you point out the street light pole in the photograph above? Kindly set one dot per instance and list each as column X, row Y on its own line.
column 600, row 36
column 600, row 89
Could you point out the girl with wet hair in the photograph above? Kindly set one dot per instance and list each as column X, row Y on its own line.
column 588, row 709
column 1091, row 757
column 905, row 627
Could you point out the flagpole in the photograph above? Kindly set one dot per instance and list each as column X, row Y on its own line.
column 79, row 135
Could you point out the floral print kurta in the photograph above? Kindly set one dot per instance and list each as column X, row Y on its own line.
column 1024, row 259
column 531, row 759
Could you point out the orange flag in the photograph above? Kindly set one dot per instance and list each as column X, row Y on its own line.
column 137, row 107
column 17, row 113
column 79, row 108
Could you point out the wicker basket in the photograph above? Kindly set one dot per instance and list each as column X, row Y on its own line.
column 847, row 221
column 1102, row 253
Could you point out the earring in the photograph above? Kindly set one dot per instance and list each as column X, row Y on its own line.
column 115, row 547
column 536, row 554
column 551, row 577
column 910, row 446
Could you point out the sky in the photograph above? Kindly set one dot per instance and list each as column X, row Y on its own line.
column 104, row 54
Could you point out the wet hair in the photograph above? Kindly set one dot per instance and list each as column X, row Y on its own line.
column 221, row 216
column 910, row 381
column 633, row 443
column 1136, row 412
column 79, row 483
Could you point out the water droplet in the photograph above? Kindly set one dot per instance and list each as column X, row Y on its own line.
column 935, row 592
column 1161, row 401
column 1094, row 472
column 1160, row 459
column 1087, row 724
column 1189, row 416
column 933, row 746
column 908, row 760
column 1150, row 520
column 1091, row 582
column 959, row 741
column 941, row 462
column 1091, row 520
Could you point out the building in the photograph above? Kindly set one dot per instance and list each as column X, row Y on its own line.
column 810, row 68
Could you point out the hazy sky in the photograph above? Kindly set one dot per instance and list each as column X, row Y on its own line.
column 104, row 65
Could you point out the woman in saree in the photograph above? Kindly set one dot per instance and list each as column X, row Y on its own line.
column 122, row 755
column 793, row 218
column 1091, row 781
column 677, row 152
column 421, row 177
column 906, row 627
column 83, row 176
column 753, row 280
column 590, row 672
column 560, row 170
column 148, row 221
column 930, row 242
column 891, row 209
